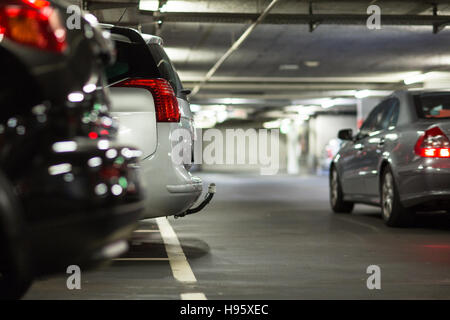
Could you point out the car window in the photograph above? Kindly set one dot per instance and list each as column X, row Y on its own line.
column 433, row 105
column 381, row 117
column 372, row 121
column 391, row 108
column 166, row 68
column 133, row 61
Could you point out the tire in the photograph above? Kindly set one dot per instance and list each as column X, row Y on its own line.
column 15, row 275
column 392, row 211
column 13, row 287
column 338, row 205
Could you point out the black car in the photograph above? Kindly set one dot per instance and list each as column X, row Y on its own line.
column 69, row 195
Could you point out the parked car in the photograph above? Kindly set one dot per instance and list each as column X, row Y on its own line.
column 69, row 193
column 399, row 160
column 149, row 102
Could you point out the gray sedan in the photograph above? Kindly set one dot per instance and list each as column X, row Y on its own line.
column 399, row 160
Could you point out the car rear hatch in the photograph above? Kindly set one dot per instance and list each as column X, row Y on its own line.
column 132, row 106
column 167, row 71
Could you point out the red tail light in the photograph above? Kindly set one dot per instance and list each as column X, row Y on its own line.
column 33, row 23
column 433, row 144
column 166, row 103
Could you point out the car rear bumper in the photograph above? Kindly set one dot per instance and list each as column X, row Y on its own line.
column 171, row 199
column 427, row 184
column 195, row 186
column 170, row 188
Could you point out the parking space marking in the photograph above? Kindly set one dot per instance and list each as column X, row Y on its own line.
column 146, row 231
column 193, row 296
column 180, row 266
column 141, row 259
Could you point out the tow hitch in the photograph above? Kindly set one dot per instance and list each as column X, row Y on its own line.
column 206, row 200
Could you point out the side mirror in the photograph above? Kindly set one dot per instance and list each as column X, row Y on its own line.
column 186, row 91
column 345, row 134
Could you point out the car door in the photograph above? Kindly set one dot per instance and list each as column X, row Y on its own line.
column 352, row 158
column 374, row 145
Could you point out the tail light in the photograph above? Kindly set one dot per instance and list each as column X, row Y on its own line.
column 433, row 144
column 34, row 23
column 166, row 103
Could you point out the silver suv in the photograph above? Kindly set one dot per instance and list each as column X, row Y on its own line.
column 150, row 104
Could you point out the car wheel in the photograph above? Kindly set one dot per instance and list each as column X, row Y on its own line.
column 394, row 214
column 336, row 195
column 15, row 273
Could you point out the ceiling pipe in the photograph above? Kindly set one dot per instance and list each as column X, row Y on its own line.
column 235, row 46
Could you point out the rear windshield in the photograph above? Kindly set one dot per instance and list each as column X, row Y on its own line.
column 166, row 68
column 433, row 105
column 133, row 61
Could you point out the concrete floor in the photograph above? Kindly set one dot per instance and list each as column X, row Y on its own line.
column 276, row 238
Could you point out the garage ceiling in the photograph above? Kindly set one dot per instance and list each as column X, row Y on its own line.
column 282, row 62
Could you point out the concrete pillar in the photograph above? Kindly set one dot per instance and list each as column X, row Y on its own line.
column 293, row 149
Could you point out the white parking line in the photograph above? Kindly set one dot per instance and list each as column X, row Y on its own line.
column 141, row 259
column 193, row 296
column 180, row 266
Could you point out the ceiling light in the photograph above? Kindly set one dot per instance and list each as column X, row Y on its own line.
column 312, row 64
column 288, row 67
column 272, row 124
column 415, row 78
column 327, row 103
column 148, row 5
column 362, row 94
column 169, row 6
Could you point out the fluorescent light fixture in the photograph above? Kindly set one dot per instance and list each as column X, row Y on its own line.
column 272, row 124
column 362, row 94
column 236, row 101
column 169, row 6
column 327, row 103
column 312, row 64
column 289, row 67
column 415, row 78
column 148, row 5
